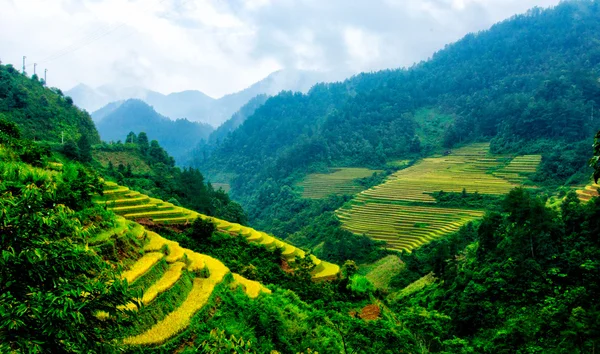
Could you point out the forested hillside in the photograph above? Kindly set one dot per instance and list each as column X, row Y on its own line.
column 529, row 84
column 145, row 166
column 42, row 114
column 178, row 137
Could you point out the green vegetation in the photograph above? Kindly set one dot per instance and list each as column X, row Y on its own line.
column 52, row 283
column 338, row 181
column 521, row 281
column 135, row 206
column 146, row 167
column 41, row 113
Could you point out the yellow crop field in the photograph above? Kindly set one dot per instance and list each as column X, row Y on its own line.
column 403, row 212
column 589, row 192
column 404, row 226
column 251, row 288
column 519, row 167
column 168, row 279
column 136, row 206
column 341, row 181
column 179, row 319
column 142, row 266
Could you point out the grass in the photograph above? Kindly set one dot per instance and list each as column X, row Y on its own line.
column 402, row 210
column 413, row 287
column 381, row 272
column 121, row 227
column 122, row 157
column 340, row 181
column 224, row 186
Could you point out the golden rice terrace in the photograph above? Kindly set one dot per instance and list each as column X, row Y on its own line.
column 403, row 212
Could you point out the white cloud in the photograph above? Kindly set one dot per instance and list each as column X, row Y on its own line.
column 221, row 46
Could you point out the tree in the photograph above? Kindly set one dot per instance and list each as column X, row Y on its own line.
column 142, row 141
column 70, row 150
column 52, row 285
column 85, row 149
column 131, row 138
column 595, row 161
column 202, row 230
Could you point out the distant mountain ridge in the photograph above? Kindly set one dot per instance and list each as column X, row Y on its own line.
column 195, row 105
column 177, row 137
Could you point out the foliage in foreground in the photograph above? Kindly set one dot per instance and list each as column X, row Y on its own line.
column 51, row 283
column 526, row 280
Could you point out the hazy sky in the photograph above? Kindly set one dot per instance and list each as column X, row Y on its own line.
column 222, row 46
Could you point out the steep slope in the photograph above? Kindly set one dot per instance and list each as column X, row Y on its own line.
column 177, row 137
column 237, row 119
column 166, row 270
column 136, row 206
column 41, row 113
column 98, row 115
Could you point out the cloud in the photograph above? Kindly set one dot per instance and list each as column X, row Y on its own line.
column 219, row 46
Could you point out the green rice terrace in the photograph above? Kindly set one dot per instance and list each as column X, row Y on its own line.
column 340, row 181
column 403, row 212
column 136, row 206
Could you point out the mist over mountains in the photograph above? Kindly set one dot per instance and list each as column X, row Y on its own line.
column 195, row 105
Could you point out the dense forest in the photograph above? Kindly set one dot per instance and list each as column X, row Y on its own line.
column 529, row 84
column 42, row 114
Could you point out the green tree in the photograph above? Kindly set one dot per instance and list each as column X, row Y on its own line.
column 142, row 141
column 70, row 149
column 202, row 230
column 85, row 149
column 52, row 285
column 595, row 161
column 131, row 138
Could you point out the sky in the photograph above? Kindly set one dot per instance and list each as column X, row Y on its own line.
column 223, row 46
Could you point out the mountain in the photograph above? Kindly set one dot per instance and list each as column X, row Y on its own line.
column 526, row 80
column 98, row 115
column 176, row 136
column 197, row 106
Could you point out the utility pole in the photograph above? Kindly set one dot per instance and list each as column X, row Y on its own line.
column 34, row 67
column 24, row 57
column 45, row 81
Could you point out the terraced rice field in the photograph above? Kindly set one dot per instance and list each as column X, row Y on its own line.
column 403, row 226
column 589, row 192
column 167, row 267
column 136, row 206
column 402, row 211
column 341, row 181
column 519, row 167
